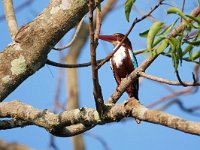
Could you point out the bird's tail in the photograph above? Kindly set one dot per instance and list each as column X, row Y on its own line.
column 133, row 89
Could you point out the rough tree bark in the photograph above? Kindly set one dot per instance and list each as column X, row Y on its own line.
column 28, row 51
column 59, row 124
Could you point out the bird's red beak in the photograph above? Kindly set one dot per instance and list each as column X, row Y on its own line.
column 109, row 38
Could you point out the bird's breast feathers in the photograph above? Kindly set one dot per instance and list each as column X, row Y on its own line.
column 121, row 55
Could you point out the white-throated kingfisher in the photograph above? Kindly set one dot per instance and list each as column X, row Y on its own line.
column 123, row 62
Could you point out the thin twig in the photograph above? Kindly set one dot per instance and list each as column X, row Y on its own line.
column 191, row 110
column 100, row 139
column 129, row 31
column 141, row 13
column 73, row 38
column 170, row 82
column 81, row 65
column 172, row 95
column 55, row 64
column 10, row 17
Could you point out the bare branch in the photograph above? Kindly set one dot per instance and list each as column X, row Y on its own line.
column 10, row 17
column 98, row 21
column 29, row 50
column 73, row 122
column 170, row 82
column 172, row 95
column 55, row 64
column 93, row 44
column 191, row 110
column 13, row 123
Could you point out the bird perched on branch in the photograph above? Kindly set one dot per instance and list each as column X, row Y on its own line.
column 123, row 61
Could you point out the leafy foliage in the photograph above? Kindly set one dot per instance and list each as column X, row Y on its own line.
column 128, row 7
column 184, row 46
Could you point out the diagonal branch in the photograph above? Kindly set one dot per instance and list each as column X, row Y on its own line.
column 29, row 50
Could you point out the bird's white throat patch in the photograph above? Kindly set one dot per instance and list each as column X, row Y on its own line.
column 119, row 56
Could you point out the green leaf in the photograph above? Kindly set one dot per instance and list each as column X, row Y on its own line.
column 190, row 54
column 162, row 47
column 158, row 40
column 179, row 49
column 175, row 10
column 194, row 43
column 196, row 55
column 175, row 61
column 173, row 42
column 144, row 34
column 169, row 28
column 128, row 7
column 187, row 49
column 176, row 50
column 153, row 31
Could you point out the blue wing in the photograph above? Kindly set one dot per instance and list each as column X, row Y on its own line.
column 135, row 64
column 133, row 58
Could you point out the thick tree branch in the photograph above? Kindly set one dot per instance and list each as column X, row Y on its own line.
column 69, row 123
column 10, row 17
column 28, row 52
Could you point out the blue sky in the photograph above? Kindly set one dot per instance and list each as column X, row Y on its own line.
column 39, row 89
